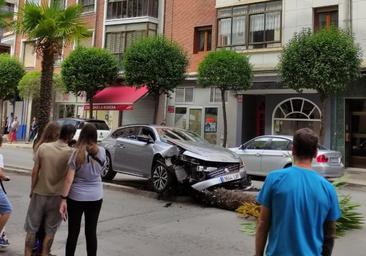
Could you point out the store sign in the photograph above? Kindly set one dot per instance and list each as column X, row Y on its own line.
column 116, row 107
column 170, row 109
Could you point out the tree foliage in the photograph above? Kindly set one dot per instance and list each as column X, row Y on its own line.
column 89, row 70
column 157, row 63
column 5, row 15
column 11, row 71
column 50, row 27
column 30, row 84
column 226, row 70
column 326, row 61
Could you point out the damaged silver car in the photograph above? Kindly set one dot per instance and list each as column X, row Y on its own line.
column 167, row 155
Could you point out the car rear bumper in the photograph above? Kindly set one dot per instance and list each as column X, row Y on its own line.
column 202, row 185
column 330, row 171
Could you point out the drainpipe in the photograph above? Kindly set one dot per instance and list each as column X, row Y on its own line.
column 347, row 13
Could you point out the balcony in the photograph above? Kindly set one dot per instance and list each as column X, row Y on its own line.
column 132, row 9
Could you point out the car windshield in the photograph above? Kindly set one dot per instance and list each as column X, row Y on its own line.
column 179, row 134
column 100, row 125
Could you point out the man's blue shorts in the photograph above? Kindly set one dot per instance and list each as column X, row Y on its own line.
column 5, row 205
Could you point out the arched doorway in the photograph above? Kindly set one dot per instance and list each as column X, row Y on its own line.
column 295, row 113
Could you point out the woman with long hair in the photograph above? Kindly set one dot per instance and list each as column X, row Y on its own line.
column 50, row 134
column 83, row 191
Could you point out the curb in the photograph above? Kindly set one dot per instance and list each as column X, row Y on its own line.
column 115, row 187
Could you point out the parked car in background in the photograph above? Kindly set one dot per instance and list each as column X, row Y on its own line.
column 102, row 127
column 272, row 152
column 166, row 155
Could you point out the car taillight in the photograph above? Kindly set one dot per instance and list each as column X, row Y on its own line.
column 322, row 159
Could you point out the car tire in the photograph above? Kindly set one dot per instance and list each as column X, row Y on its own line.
column 161, row 177
column 107, row 172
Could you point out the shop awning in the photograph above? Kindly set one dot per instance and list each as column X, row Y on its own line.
column 117, row 98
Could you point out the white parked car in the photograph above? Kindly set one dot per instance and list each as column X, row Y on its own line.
column 102, row 127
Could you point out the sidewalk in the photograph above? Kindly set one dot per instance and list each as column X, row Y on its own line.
column 18, row 144
column 356, row 176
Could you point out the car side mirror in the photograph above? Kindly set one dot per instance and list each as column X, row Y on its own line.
column 146, row 139
column 242, row 147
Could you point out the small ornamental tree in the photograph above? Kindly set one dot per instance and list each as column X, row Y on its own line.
column 89, row 70
column 156, row 63
column 11, row 71
column 326, row 61
column 30, row 84
column 226, row 70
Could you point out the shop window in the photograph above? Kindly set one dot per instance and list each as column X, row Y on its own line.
column 118, row 9
column 180, row 119
column 184, row 95
column 250, row 26
column 29, row 54
column 87, row 5
column 215, row 95
column 295, row 113
column 210, row 128
column 325, row 17
column 202, row 39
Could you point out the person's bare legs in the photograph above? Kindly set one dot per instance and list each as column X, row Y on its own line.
column 30, row 239
column 47, row 244
column 3, row 220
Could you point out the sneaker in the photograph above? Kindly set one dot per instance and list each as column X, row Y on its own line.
column 4, row 243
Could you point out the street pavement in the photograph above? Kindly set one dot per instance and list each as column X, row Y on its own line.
column 134, row 222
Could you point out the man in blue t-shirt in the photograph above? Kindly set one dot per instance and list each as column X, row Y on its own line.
column 299, row 207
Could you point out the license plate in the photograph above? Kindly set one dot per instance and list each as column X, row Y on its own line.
column 230, row 177
column 334, row 160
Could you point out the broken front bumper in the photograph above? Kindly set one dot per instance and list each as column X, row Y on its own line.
column 230, row 177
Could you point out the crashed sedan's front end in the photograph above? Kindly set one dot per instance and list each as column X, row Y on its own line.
column 204, row 166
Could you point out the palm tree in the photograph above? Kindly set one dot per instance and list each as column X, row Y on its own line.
column 50, row 27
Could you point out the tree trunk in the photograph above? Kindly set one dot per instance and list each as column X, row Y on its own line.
column 157, row 100
column 46, row 88
column 90, row 107
column 323, row 108
column 224, row 116
column 1, row 114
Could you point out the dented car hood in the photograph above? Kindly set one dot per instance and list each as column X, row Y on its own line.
column 206, row 152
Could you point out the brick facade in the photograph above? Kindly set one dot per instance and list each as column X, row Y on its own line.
column 93, row 21
column 180, row 20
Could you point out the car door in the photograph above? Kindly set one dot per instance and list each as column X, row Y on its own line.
column 142, row 150
column 276, row 156
column 123, row 141
column 251, row 154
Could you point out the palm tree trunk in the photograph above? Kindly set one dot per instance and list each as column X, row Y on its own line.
column 46, row 88
column 224, row 116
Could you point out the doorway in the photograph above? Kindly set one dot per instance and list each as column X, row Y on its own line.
column 355, row 132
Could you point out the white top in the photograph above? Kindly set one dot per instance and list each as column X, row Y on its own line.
column 1, row 161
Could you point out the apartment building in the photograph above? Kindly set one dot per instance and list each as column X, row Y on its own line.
column 260, row 29
column 114, row 25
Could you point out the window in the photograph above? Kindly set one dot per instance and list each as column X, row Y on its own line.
column 184, row 95
column 202, row 39
column 85, row 42
column 210, row 128
column 118, row 9
column 87, row 5
column 215, row 95
column 33, row 1
column 295, row 113
column 119, row 38
column 250, row 26
column 260, row 143
column 61, row 3
column 129, row 132
column 29, row 55
column 280, row 144
column 180, row 119
column 325, row 17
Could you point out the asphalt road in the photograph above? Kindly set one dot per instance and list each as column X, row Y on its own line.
column 133, row 224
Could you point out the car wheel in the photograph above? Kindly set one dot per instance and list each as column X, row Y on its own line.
column 161, row 177
column 107, row 172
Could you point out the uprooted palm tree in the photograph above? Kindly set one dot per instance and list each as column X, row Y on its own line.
column 50, row 28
